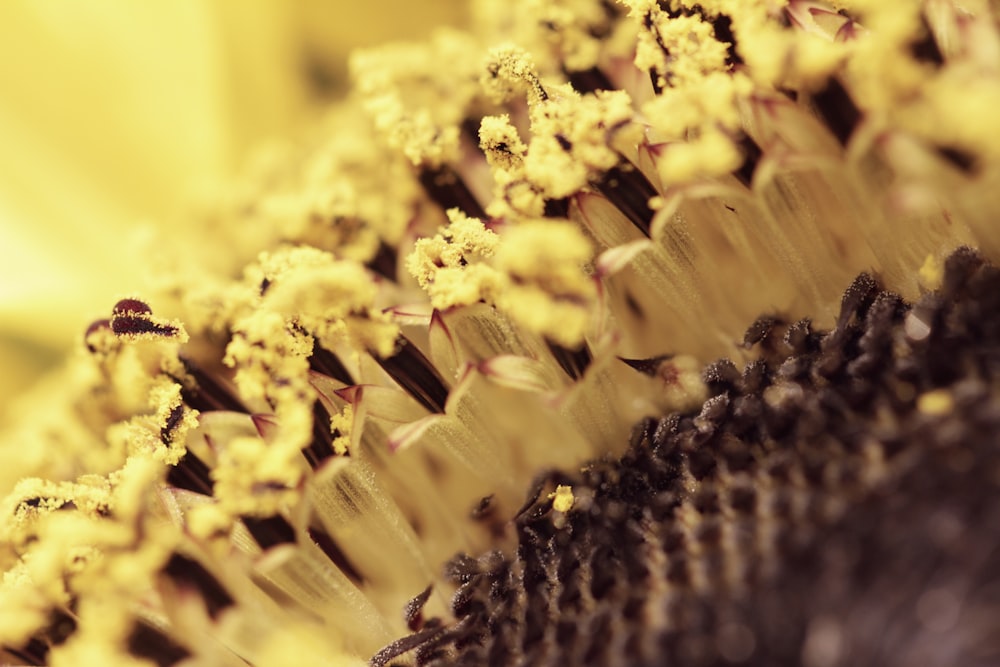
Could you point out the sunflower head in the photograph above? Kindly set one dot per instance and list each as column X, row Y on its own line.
column 564, row 289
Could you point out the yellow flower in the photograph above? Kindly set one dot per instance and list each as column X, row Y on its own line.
column 495, row 301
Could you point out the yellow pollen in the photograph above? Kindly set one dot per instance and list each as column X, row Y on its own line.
column 562, row 498
column 936, row 403
column 931, row 273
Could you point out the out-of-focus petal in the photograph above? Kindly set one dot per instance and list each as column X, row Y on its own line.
column 113, row 114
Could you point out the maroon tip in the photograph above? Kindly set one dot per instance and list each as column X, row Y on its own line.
column 95, row 326
column 131, row 307
column 125, row 324
column 649, row 366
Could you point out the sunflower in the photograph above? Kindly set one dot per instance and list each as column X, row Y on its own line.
column 590, row 333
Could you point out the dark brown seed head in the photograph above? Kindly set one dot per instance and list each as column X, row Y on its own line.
column 844, row 513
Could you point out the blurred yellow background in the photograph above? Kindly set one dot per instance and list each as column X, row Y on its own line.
column 115, row 112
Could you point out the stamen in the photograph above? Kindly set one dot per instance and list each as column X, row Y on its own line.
column 404, row 645
column 173, row 421
column 413, row 611
column 416, row 374
column 856, row 300
column 760, row 331
column 721, row 376
column 131, row 317
column 133, row 307
column 722, row 26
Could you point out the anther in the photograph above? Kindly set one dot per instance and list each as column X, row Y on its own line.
column 413, row 611
column 131, row 317
column 760, row 332
column 133, row 307
column 97, row 328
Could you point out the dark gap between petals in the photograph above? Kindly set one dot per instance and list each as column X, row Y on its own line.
column 556, row 208
column 573, row 361
column 335, row 554
column 33, row 653
column 414, row 372
column 752, row 154
column 326, row 362
column 186, row 572
column 385, row 261
column 191, row 474
column 270, row 531
column 837, row 109
column 630, row 191
column 447, row 189
column 590, row 80
column 962, row 160
column 925, row 49
column 208, row 394
column 150, row 643
column 321, row 447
